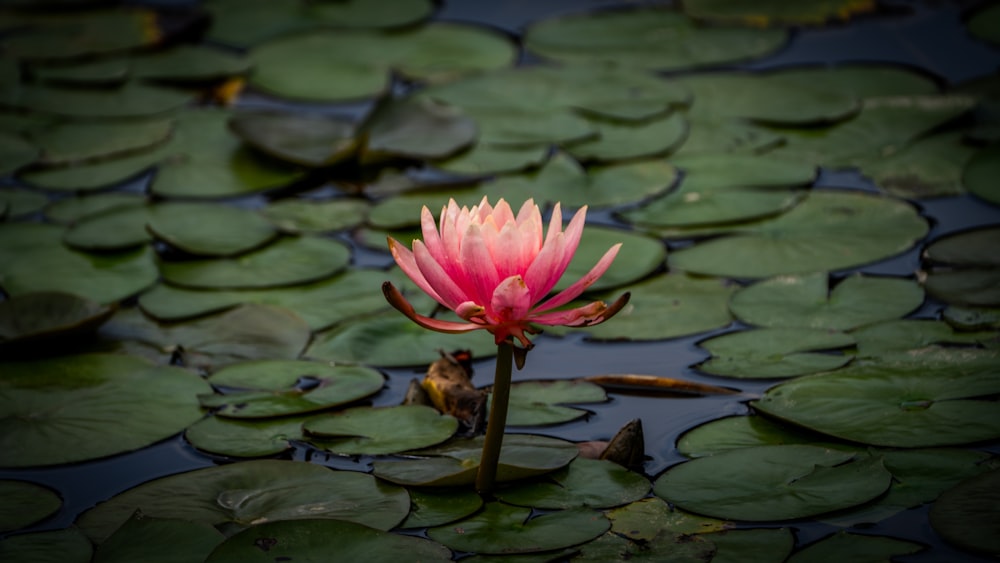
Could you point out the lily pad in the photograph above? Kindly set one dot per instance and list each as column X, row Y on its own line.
column 919, row 398
column 928, row 167
column 806, row 301
column 128, row 100
column 665, row 546
column 158, row 540
column 502, row 528
column 118, row 228
column 301, row 216
column 773, row 482
column 55, row 546
column 644, row 519
column 972, row 318
column 669, row 306
column 93, row 32
column 829, row 230
column 391, row 340
column 845, row 546
column 383, row 430
column 435, row 507
column 583, row 483
column 909, row 334
column 775, row 352
column 980, row 175
column 239, row 495
column 983, row 24
column 775, row 13
column 209, row 229
column 20, row 202
column 965, row 515
column 316, row 540
column 490, row 158
column 33, row 317
column 734, row 432
column 248, row 332
column 727, row 135
column 306, row 140
column 975, row 247
column 456, row 462
column 26, row 503
column 270, row 388
column 624, row 141
column 16, row 152
column 537, row 403
column 971, row 287
column 417, row 128
column 77, row 141
column 73, row 209
column 652, row 38
column 762, row 545
column 288, row 261
column 245, row 438
column 71, row 408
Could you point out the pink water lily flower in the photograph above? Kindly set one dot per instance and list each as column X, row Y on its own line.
column 495, row 270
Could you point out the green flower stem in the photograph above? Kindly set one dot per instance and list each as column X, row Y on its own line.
column 487, row 474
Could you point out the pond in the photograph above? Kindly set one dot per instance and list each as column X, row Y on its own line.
column 192, row 244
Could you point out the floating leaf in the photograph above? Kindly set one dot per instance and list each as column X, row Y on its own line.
column 726, row 135
column 94, row 32
column 34, row 317
column 56, row 546
column 72, row 142
column 456, row 462
column 972, row 287
column 928, row 167
column 829, row 230
column 583, row 483
column 307, row 140
column 316, row 540
column 669, row 306
column 806, row 301
column 845, row 546
column 644, row 519
column 775, row 352
column 245, row 438
column 965, row 515
column 501, row 528
column 773, row 482
column 26, row 503
column 665, row 546
column 272, row 387
column 908, row 334
column 300, row 216
column 654, row 384
column 129, row 100
column 437, row 507
column 767, row 14
column 118, row 228
column 206, row 229
column 965, row 318
column 486, row 158
column 653, row 38
column 20, row 202
column 734, row 432
column 16, row 152
column 240, row 495
column 384, row 430
column 73, row 209
column 762, row 545
column 419, row 128
column 983, row 24
column 288, row 261
column 976, row 247
column 538, row 403
column 155, row 540
column 72, row 408
column 618, row 141
column 918, row 398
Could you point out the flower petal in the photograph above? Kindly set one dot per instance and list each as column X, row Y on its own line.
column 587, row 315
column 449, row 290
column 396, row 299
column 431, row 236
column 511, row 300
column 580, row 285
column 477, row 263
column 404, row 258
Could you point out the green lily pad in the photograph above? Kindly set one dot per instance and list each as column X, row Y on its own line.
column 653, row 38
column 301, row 216
column 806, row 301
column 317, row 540
column 72, row 209
column 502, row 528
column 321, row 304
column 306, row 140
column 983, row 24
column 972, row 318
column 20, row 202
column 207, row 229
column 972, row 287
column 734, row 432
column 980, row 175
column 908, row 334
column 773, row 482
column 623, row 141
column 325, row 66
column 640, row 256
column 93, row 32
column 669, row 306
column 829, row 230
column 775, row 352
column 391, row 340
column 665, row 546
column 118, row 228
column 129, row 100
column 26, row 503
column 644, row 519
column 71, row 408
column 774, row 13
column 490, row 158
column 583, row 483
column 55, row 546
column 156, row 540
column 456, row 462
column 239, row 495
column 928, row 167
column 537, row 403
column 77, row 141
column 50, row 266
column 726, row 135
column 918, row 398
column 243, row 23
column 435, row 507
column 383, row 430
column 270, row 388
column 288, row 261
column 188, row 63
column 965, row 515
column 33, row 317
column 762, row 545
column 418, row 128
column 918, row 476
column 845, row 546
column 975, row 247
column 245, row 438
column 16, row 152
column 247, row 332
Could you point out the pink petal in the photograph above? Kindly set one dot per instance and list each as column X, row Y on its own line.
column 404, row 258
column 431, row 236
column 450, row 292
column 555, row 223
column 396, row 299
column 588, row 315
column 573, row 233
column 511, row 300
column 502, row 213
column 578, row 287
column 509, row 252
column 477, row 263
column 470, row 310
column 539, row 276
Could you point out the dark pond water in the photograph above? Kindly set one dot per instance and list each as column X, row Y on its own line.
column 927, row 35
